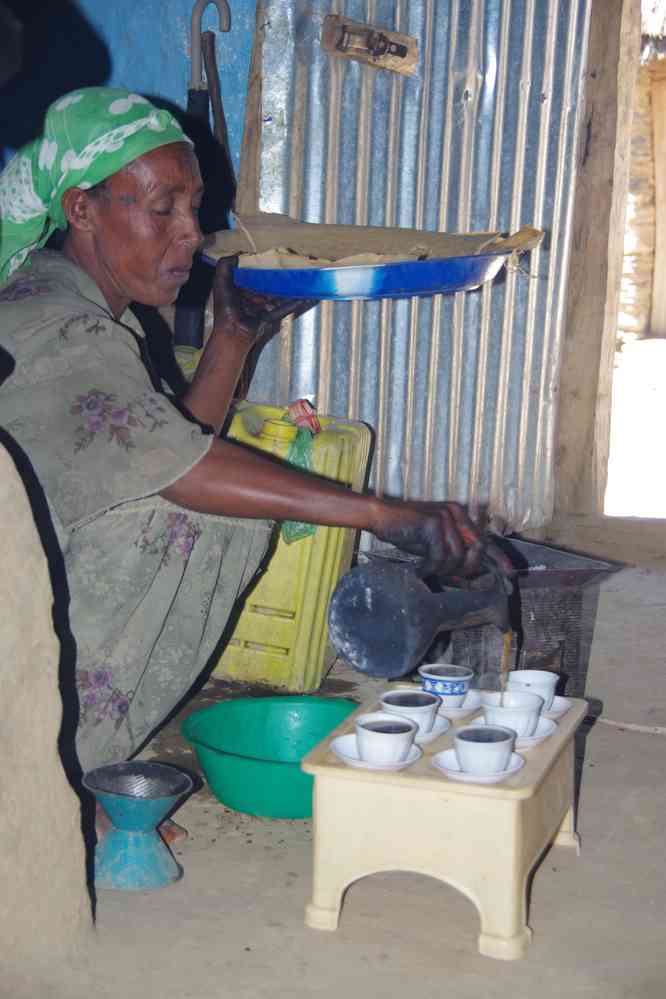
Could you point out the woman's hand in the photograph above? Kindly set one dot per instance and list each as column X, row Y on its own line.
column 442, row 534
column 253, row 318
column 241, row 325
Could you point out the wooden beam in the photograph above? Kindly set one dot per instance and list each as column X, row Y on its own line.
column 595, row 269
column 247, row 191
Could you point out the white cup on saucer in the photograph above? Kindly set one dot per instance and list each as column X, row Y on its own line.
column 384, row 738
column 484, row 749
column 516, row 709
column 417, row 705
column 536, row 681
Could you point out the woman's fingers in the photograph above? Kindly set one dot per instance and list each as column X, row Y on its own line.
column 302, row 305
column 471, row 538
column 254, row 305
column 253, row 310
column 224, row 276
column 274, row 310
column 225, row 293
column 445, row 548
column 467, row 529
column 495, row 555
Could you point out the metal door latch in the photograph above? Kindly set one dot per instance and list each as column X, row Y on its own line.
column 364, row 41
column 372, row 45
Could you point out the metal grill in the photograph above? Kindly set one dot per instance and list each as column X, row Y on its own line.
column 138, row 780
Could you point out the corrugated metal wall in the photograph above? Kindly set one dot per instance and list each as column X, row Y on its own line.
column 460, row 389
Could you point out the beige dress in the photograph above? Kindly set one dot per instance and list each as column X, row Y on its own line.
column 151, row 585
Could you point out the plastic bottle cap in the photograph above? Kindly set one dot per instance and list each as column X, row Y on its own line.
column 279, row 430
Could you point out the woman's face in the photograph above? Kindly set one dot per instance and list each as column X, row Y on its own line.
column 142, row 227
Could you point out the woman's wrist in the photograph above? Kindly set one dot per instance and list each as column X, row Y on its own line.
column 381, row 513
column 233, row 336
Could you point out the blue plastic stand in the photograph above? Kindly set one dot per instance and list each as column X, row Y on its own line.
column 132, row 856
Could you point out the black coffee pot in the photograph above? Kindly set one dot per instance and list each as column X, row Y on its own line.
column 383, row 618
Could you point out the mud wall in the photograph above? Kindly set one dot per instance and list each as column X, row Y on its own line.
column 45, row 912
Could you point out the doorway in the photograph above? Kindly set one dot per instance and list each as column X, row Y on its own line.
column 636, row 485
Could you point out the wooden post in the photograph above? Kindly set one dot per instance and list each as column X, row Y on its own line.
column 658, row 95
column 596, row 258
column 247, row 190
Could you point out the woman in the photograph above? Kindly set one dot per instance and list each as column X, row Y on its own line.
column 162, row 524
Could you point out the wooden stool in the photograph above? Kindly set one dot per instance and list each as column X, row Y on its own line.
column 482, row 839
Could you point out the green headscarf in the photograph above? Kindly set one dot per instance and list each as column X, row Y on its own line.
column 88, row 135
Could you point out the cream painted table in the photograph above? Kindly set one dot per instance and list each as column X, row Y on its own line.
column 482, row 839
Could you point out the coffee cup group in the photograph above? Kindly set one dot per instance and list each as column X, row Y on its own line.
column 515, row 709
column 417, row 705
column 384, row 738
column 485, row 749
column 535, row 681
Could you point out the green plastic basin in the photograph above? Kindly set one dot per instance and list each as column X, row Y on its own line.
column 250, row 750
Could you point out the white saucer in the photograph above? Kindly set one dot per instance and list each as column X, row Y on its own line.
column 471, row 703
column 440, row 726
column 545, row 727
column 346, row 750
column 559, row 707
column 447, row 763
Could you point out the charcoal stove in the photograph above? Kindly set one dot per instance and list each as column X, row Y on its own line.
column 553, row 611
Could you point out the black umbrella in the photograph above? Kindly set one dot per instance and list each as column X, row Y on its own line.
column 188, row 327
column 197, row 92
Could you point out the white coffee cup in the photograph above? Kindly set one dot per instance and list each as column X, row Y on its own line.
column 516, row 709
column 536, row 681
column 484, row 749
column 384, row 738
column 417, row 705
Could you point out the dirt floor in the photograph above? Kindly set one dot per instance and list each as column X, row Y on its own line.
column 233, row 926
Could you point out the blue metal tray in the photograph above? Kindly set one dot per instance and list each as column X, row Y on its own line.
column 372, row 281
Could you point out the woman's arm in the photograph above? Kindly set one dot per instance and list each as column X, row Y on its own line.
column 238, row 482
column 212, row 389
column 240, row 322
column 234, row 481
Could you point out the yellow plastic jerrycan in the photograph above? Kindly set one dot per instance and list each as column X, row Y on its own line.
column 281, row 637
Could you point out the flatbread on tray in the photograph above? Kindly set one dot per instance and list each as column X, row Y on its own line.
column 275, row 242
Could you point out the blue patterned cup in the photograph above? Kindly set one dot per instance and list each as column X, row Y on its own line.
column 451, row 683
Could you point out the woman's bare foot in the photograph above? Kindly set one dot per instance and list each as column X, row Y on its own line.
column 102, row 822
column 169, row 830
column 172, row 833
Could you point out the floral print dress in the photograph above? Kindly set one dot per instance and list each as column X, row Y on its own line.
column 152, row 586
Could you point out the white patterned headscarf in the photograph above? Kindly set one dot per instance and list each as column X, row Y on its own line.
column 88, row 135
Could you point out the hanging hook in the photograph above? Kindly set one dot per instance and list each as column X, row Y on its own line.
column 196, row 80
